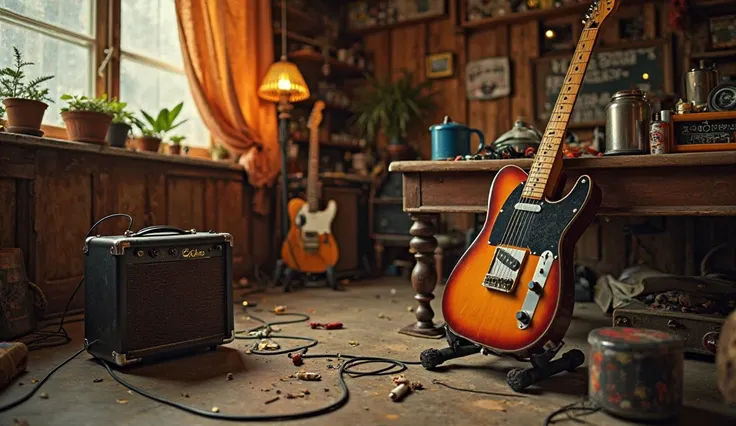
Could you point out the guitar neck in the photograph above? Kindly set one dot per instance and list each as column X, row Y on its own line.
column 313, row 170
column 545, row 171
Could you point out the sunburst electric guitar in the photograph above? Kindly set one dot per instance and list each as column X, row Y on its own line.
column 512, row 292
column 310, row 246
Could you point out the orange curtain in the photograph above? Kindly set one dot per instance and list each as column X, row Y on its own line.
column 227, row 47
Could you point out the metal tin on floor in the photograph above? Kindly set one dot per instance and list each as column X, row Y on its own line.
column 636, row 373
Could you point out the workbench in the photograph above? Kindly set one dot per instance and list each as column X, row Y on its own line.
column 686, row 184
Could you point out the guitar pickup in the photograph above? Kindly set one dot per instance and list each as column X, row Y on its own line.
column 528, row 207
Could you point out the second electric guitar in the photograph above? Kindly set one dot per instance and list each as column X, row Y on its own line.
column 512, row 292
column 310, row 246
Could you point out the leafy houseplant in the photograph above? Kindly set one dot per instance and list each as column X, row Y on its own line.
column 86, row 119
column 2, row 118
column 154, row 130
column 24, row 100
column 122, row 120
column 392, row 108
column 175, row 144
column 219, row 152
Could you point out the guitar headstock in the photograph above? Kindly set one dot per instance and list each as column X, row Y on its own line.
column 599, row 11
column 315, row 117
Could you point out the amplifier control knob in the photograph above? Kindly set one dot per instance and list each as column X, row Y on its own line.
column 153, row 252
column 172, row 252
column 139, row 253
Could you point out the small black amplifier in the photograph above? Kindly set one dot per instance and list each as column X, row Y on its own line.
column 157, row 292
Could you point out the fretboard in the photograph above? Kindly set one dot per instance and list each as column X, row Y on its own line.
column 541, row 176
column 313, row 170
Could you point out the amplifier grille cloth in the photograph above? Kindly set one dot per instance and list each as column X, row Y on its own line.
column 170, row 302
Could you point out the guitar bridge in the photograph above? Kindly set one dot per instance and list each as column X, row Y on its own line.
column 505, row 269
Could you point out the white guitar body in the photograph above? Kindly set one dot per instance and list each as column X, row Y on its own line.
column 319, row 222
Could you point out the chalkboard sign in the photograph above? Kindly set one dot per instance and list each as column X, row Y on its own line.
column 645, row 66
column 709, row 131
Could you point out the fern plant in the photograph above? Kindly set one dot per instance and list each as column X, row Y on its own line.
column 392, row 107
column 83, row 103
column 13, row 81
column 163, row 123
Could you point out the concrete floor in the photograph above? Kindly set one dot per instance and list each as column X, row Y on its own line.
column 372, row 316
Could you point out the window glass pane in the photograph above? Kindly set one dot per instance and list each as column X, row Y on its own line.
column 152, row 89
column 149, row 28
column 73, row 15
column 71, row 64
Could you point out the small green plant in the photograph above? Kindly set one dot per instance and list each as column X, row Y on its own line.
column 177, row 140
column 219, row 151
column 83, row 103
column 163, row 123
column 2, row 112
column 119, row 113
column 392, row 107
column 13, row 85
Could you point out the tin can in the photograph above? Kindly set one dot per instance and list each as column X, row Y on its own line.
column 636, row 373
column 658, row 136
column 627, row 123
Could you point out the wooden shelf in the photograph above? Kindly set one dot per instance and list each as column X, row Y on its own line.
column 338, row 68
column 518, row 17
column 330, row 144
column 716, row 54
column 298, row 21
column 368, row 30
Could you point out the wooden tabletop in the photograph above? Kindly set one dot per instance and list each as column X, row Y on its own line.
column 637, row 185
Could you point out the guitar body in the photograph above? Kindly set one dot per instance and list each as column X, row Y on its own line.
column 310, row 246
column 516, row 244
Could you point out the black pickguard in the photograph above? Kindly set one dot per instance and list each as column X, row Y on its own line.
column 538, row 231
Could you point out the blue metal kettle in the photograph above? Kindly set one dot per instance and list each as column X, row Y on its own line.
column 451, row 139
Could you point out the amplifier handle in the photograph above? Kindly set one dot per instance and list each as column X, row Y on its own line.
column 155, row 229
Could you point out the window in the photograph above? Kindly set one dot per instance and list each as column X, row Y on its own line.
column 61, row 38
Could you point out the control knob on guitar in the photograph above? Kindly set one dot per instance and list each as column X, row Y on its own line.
column 512, row 292
column 310, row 246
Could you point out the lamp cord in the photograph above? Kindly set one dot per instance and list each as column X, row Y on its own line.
column 283, row 29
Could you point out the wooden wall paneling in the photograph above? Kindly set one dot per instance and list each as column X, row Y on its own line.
column 185, row 197
column 522, row 100
column 122, row 192
column 346, row 226
column 656, row 250
column 62, row 218
column 378, row 44
column 491, row 117
column 408, row 50
column 8, row 213
column 230, row 216
column 213, row 203
column 155, row 199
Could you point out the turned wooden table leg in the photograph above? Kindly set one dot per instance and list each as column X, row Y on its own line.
column 423, row 278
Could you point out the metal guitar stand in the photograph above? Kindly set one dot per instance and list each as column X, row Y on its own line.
column 286, row 276
column 519, row 378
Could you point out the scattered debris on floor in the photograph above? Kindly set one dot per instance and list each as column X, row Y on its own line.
column 121, row 401
column 392, row 416
column 215, row 410
column 98, row 380
column 267, row 345
column 229, row 376
column 43, row 395
column 384, row 316
column 393, row 292
column 410, row 309
column 279, row 309
column 296, row 359
column 490, row 404
column 34, row 381
column 326, row 326
column 308, row 376
column 403, row 387
column 185, row 395
column 20, row 383
column 353, row 343
column 21, row 422
column 274, row 399
column 345, row 281
column 327, row 389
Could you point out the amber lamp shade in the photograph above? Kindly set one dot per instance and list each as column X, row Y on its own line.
column 283, row 83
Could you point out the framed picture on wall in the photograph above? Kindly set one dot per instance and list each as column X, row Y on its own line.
column 488, row 78
column 440, row 65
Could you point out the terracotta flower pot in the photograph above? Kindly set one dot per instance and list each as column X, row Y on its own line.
column 87, row 126
column 174, row 149
column 117, row 134
column 24, row 116
column 145, row 143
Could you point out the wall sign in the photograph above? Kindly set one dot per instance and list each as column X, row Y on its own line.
column 488, row 78
column 707, row 131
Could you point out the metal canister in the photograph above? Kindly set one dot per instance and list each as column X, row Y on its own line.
column 627, row 123
column 698, row 84
column 658, row 136
column 636, row 373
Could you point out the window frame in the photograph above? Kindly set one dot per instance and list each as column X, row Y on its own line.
column 106, row 22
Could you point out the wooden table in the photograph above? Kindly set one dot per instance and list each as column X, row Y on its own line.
column 692, row 184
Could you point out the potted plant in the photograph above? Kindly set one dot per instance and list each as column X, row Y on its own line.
column 2, row 119
column 219, row 152
column 155, row 129
column 24, row 101
column 119, row 129
column 86, row 119
column 392, row 108
column 175, row 144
